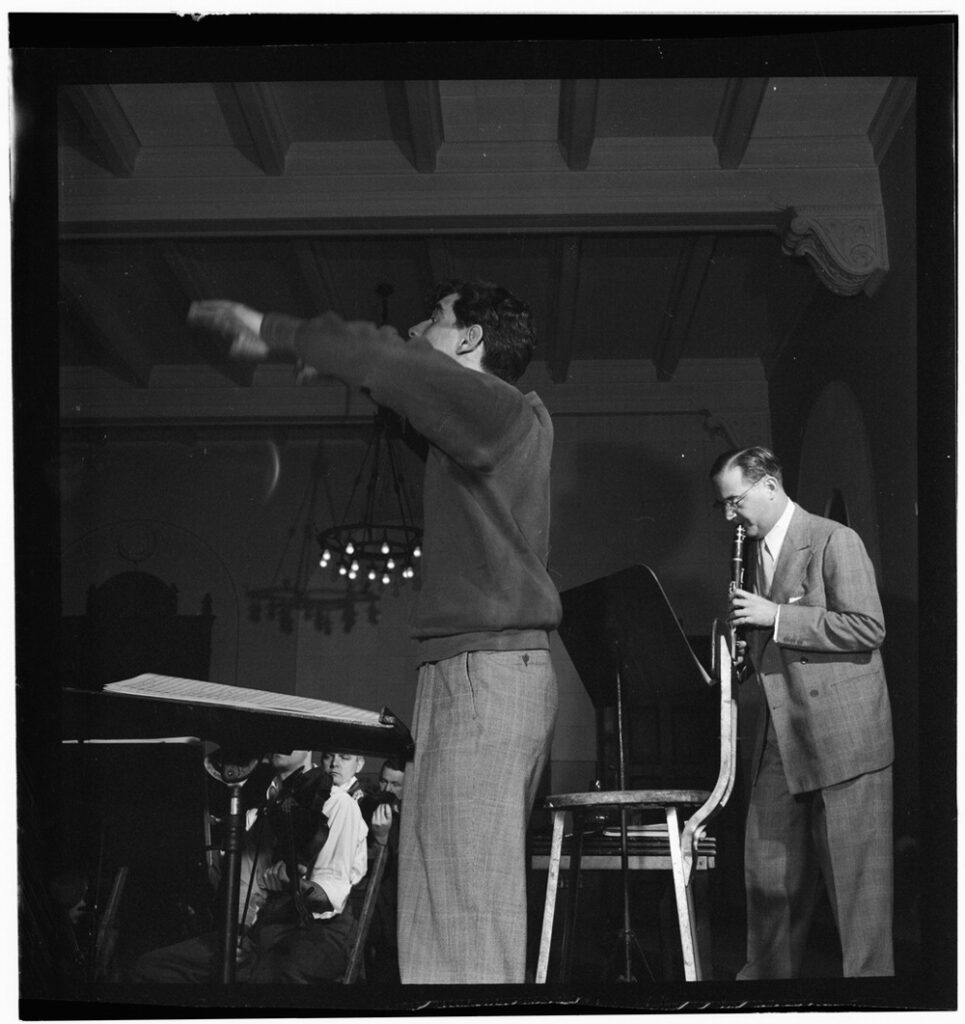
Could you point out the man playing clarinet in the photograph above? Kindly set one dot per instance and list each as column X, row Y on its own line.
column 821, row 752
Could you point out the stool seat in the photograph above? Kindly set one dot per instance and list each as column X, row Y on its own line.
column 637, row 799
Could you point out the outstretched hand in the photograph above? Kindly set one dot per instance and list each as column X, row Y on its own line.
column 233, row 321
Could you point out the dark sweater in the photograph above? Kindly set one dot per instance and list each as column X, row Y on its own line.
column 487, row 490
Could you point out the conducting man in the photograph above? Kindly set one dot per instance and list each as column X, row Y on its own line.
column 486, row 698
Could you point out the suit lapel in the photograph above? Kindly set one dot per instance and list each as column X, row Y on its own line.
column 752, row 579
column 793, row 559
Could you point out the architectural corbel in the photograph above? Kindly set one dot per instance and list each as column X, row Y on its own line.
column 846, row 246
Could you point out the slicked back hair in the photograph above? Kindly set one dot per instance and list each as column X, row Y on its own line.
column 754, row 463
column 506, row 322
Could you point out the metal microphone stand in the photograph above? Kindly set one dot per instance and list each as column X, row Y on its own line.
column 233, row 771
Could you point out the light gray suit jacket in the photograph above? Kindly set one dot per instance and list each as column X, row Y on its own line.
column 822, row 674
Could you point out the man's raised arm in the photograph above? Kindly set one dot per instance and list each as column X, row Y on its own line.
column 234, row 322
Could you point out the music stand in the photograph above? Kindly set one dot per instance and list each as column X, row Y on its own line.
column 243, row 737
column 625, row 642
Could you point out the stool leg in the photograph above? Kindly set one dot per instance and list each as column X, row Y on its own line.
column 552, row 881
column 685, row 901
column 700, row 891
column 569, row 920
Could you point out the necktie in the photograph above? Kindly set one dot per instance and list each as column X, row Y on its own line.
column 767, row 569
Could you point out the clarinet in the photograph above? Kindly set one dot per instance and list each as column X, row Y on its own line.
column 737, row 643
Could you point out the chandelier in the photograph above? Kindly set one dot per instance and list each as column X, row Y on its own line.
column 373, row 545
column 290, row 596
column 376, row 541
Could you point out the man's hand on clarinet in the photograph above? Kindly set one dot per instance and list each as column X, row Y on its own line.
column 233, row 321
column 747, row 609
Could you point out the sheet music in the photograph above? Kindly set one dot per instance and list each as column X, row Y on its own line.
column 194, row 691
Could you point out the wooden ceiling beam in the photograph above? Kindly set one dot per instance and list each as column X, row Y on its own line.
column 736, row 118
column 104, row 118
column 442, row 265
column 425, row 119
column 316, row 272
column 577, row 126
column 125, row 354
column 187, row 395
column 415, row 113
column 434, row 264
column 265, row 125
column 558, row 340
column 692, row 266
column 197, row 284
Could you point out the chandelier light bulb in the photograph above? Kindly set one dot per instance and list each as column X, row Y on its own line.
column 368, row 546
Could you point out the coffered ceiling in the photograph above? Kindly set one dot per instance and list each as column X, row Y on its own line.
column 648, row 221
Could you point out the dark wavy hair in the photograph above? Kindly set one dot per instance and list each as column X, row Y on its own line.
column 507, row 324
column 754, row 463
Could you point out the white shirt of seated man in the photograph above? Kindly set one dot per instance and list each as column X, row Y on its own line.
column 256, row 856
column 341, row 862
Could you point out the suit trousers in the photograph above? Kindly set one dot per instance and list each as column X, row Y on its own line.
column 843, row 834
column 482, row 727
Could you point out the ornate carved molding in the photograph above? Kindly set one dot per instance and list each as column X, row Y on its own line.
column 846, row 246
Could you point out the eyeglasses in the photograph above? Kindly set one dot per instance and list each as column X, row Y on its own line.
column 733, row 504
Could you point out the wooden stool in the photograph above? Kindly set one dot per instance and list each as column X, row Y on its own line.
column 683, row 839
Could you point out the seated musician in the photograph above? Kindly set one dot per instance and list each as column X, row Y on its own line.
column 301, row 928
column 344, row 770
column 381, row 812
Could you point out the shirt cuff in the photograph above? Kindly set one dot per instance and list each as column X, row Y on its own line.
column 278, row 331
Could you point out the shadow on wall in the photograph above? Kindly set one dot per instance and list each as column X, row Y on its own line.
column 614, row 506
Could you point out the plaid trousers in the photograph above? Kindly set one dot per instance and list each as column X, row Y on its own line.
column 482, row 726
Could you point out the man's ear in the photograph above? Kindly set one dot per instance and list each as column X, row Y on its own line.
column 471, row 341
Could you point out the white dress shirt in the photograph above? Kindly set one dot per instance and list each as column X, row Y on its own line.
column 343, row 860
column 774, row 542
column 340, row 863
